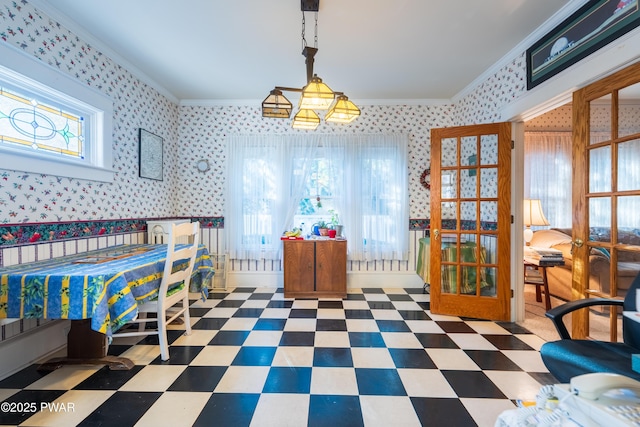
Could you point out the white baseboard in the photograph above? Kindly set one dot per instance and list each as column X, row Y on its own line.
column 384, row 280
column 32, row 346
column 254, row 279
column 355, row 280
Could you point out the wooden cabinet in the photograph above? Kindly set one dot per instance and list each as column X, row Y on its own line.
column 315, row 268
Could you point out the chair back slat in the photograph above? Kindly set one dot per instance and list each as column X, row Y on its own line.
column 191, row 230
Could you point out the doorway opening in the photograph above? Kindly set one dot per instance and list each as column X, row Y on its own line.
column 548, row 177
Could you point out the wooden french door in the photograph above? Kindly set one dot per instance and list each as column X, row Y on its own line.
column 471, row 221
column 606, row 191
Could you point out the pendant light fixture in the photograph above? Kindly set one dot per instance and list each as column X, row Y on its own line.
column 315, row 96
column 276, row 105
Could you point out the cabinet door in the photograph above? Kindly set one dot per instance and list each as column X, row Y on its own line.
column 331, row 267
column 298, row 266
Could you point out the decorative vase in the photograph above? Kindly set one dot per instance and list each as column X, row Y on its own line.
column 324, row 231
column 338, row 230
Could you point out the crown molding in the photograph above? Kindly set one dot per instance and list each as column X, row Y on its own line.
column 59, row 16
column 521, row 47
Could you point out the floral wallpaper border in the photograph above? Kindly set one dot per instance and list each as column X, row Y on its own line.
column 25, row 234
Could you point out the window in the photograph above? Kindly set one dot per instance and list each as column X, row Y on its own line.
column 547, row 172
column 274, row 183
column 64, row 131
column 27, row 124
column 317, row 202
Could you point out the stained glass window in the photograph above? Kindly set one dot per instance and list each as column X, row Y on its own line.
column 30, row 124
column 52, row 123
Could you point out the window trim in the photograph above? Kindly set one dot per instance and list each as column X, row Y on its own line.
column 24, row 71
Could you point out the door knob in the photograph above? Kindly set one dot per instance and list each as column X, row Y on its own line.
column 576, row 243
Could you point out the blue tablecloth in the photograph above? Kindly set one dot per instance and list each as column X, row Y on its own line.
column 107, row 292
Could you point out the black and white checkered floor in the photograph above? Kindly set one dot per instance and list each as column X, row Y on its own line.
column 377, row 358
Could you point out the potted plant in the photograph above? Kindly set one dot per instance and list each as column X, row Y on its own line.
column 335, row 223
column 323, row 228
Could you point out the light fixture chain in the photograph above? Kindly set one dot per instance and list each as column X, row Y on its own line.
column 315, row 38
column 304, row 41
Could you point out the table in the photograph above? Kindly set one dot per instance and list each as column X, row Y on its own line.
column 99, row 291
column 538, row 280
column 423, row 262
column 532, row 262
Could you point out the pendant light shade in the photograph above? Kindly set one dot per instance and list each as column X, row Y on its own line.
column 316, row 95
column 276, row 105
column 306, row 119
column 343, row 111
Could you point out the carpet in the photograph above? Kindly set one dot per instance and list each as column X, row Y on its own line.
column 536, row 321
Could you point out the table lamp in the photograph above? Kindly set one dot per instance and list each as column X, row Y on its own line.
column 532, row 215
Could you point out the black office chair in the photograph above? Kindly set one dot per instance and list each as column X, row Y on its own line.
column 568, row 358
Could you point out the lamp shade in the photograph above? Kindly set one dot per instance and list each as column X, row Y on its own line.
column 532, row 213
column 316, row 95
column 305, row 119
column 276, row 105
column 343, row 111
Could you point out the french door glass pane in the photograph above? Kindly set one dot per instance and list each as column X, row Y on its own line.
column 628, row 217
column 449, row 156
column 628, row 170
column 600, row 120
column 628, row 111
column 600, row 215
column 489, row 150
column 490, row 245
column 469, row 148
column 469, row 280
column 489, row 183
column 449, row 215
column 488, row 214
column 468, row 212
column 600, row 169
column 468, row 184
column 627, row 270
column 490, row 289
column 469, row 154
column 449, row 184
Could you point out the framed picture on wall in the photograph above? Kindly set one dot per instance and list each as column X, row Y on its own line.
column 591, row 27
column 150, row 155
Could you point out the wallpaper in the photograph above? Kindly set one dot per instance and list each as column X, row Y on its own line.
column 559, row 119
column 483, row 104
column 27, row 197
column 191, row 133
column 203, row 132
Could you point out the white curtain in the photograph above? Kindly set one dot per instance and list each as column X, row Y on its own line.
column 259, row 188
column 373, row 199
column 369, row 175
column 547, row 174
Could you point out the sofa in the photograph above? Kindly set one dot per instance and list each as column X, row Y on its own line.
column 559, row 278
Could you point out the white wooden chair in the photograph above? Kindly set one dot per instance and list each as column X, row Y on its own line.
column 168, row 296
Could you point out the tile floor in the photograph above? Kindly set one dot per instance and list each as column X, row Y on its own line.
column 377, row 358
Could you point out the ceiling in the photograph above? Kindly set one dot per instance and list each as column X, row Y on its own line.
column 376, row 50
